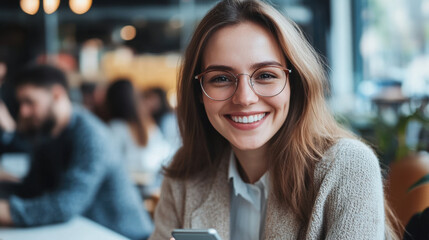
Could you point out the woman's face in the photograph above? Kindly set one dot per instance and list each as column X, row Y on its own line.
column 240, row 48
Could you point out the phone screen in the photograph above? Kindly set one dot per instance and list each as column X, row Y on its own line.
column 195, row 234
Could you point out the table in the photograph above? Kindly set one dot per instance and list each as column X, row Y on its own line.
column 14, row 164
column 78, row 228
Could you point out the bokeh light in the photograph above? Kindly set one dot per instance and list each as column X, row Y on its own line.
column 128, row 32
column 50, row 6
column 80, row 6
column 29, row 6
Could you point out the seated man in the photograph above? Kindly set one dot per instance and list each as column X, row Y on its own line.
column 75, row 169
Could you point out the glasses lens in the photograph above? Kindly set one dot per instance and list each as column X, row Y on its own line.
column 218, row 85
column 269, row 81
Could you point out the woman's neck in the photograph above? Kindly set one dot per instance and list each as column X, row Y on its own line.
column 252, row 164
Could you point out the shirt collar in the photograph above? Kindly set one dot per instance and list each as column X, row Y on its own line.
column 239, row 186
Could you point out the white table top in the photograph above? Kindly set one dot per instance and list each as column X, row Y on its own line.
column 78, row 228
column 16, row 164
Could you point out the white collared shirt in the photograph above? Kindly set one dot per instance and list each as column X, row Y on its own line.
column 248, row 205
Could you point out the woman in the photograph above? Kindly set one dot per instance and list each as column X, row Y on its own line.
column 262, row 157
column 144, row 147
column 156, row 101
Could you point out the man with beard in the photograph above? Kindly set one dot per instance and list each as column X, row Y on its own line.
column 75, row 169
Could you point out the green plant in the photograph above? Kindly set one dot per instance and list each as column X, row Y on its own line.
column 421, row 181
column 391, row 138
column 387, row 131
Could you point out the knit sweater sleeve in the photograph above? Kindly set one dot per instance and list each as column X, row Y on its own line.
column 169, row 210
column 354, row 207
column 76, row 188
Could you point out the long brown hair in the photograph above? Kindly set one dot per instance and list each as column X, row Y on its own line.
column 309, row 129
column 121, row 104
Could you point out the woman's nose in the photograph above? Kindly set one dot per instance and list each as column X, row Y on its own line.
column 244, row 95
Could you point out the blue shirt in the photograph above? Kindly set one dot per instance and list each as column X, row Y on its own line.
column 248, row 205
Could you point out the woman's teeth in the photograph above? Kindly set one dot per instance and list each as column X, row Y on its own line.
column 248, row 119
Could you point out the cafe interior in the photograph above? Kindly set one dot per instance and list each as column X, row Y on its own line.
column 376, row 55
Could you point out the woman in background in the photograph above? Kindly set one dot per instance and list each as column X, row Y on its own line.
column 155, row 100
column 262, row 156
column 143, row 145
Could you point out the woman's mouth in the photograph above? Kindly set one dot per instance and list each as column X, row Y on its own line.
column 247, row 119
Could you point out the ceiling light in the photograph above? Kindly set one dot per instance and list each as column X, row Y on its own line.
column 50, row 6
column 80, row 6
column 128, row 32
column 29, row 6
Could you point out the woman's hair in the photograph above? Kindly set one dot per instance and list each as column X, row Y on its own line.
column 121, row 104
column 308, row 131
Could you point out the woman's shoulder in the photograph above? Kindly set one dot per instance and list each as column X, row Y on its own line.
column 349, row 156
column 194, row 190
column 186, row 195
column 195, row 185
column 350, row 190
column 347, row 149
column 350, row 147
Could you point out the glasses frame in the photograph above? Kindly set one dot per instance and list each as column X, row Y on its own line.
column 286, row 70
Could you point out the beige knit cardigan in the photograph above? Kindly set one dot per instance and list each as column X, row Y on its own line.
column 349, row 201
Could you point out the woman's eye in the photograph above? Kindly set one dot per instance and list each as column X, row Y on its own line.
column 220, row 79
column 266, row 76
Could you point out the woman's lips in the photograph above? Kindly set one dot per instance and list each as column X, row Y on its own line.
column 246, row 121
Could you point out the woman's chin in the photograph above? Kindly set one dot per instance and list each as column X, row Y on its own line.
column 247, row 146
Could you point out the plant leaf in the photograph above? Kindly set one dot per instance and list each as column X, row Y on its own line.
column 421, row 181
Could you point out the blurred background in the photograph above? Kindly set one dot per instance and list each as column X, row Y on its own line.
column 368, row 44
column 377, row 55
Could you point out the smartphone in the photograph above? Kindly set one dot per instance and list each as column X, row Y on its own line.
column 196, row 234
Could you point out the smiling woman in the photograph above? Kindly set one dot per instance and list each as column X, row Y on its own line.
column 241, row 48
column 262, row 157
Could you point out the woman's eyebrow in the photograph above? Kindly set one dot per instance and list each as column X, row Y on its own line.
column 265, row 63
column 219, row 67
column 252, row 67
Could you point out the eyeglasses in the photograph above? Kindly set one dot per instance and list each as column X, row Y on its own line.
column 221, row 85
